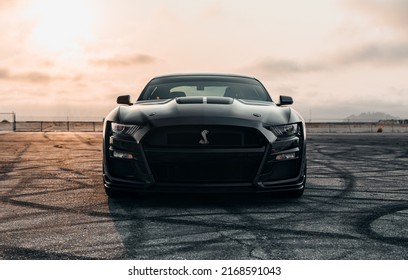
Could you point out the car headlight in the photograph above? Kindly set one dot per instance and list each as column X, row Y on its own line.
column 124, row 129
column 286, row 130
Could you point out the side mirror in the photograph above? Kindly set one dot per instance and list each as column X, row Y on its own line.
column 124, row 99
column 285, row 100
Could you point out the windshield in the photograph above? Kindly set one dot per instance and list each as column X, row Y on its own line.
column 240, row 90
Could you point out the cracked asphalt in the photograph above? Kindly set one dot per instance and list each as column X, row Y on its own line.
column 53, row 206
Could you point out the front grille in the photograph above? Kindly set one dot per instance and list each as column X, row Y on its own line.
column 204, row 136
column 204, row 154
column 205, row 166
column 214, row 138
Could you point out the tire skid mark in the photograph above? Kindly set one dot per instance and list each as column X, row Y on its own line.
column 327, row 162
column 364, row 224
column 189, row 246
column 46, row 137
column 84, row 140
column 330, row 174
column 364, row 220
column 16, row 252
column 5, row 198
column 147, row 235
column 35, row 167
column 131, row 226
column 52, row 208
column 248, row 225
column 345, row 175
column 368, row 201
column 264, row 234
column 154, row 251
column 221, row 228
column 260, row 235
column 24, row 180
column 9, row 167
column 56, row 226
column 365, row 156
column 304, row 233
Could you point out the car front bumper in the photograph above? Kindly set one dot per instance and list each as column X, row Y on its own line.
column 268, row 167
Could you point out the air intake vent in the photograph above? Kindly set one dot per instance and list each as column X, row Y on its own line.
column 201, row 100
column 219, row 100
column 190, row 100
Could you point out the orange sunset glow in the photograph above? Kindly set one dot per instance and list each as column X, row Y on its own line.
column 334, row 57
column 60, row 25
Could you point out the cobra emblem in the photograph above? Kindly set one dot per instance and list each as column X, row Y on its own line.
column 204, row 141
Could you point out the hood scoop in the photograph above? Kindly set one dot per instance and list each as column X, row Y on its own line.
column 219, row 100
column 190, row 100
column 204, row 100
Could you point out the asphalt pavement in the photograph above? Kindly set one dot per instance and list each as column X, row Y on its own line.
column 53, row 206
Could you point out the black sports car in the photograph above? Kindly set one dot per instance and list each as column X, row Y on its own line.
column 204, row 133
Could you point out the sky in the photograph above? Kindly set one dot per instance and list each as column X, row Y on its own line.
column 71, row 59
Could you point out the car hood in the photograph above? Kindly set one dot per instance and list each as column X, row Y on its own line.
column 223, row 111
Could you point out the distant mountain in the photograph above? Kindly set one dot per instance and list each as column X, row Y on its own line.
column 370, row 117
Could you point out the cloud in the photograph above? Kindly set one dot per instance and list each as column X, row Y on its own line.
column 374, row 53
column 392, row 13
column 213, row 12
column 124, row 60
column 282, row 66
column 4, row 4
column 4, row 73
column 35, row 77
column 383, row 34
column 384, row 54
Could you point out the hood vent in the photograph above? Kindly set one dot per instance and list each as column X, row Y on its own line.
column 219, row 100
column 190, row 100
column 201, row 100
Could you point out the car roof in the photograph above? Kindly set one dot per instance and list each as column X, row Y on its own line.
column 203, row 77
column 181, row 75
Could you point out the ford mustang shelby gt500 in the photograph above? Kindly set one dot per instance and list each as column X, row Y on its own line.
column 204, row 133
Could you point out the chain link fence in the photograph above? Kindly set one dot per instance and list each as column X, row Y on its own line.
column 68, row 126
column 357, row 127
column 8, row 122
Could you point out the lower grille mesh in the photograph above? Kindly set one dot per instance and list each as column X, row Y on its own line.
column 190, row 167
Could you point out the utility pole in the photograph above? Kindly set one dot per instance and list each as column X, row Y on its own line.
column 14, row 121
